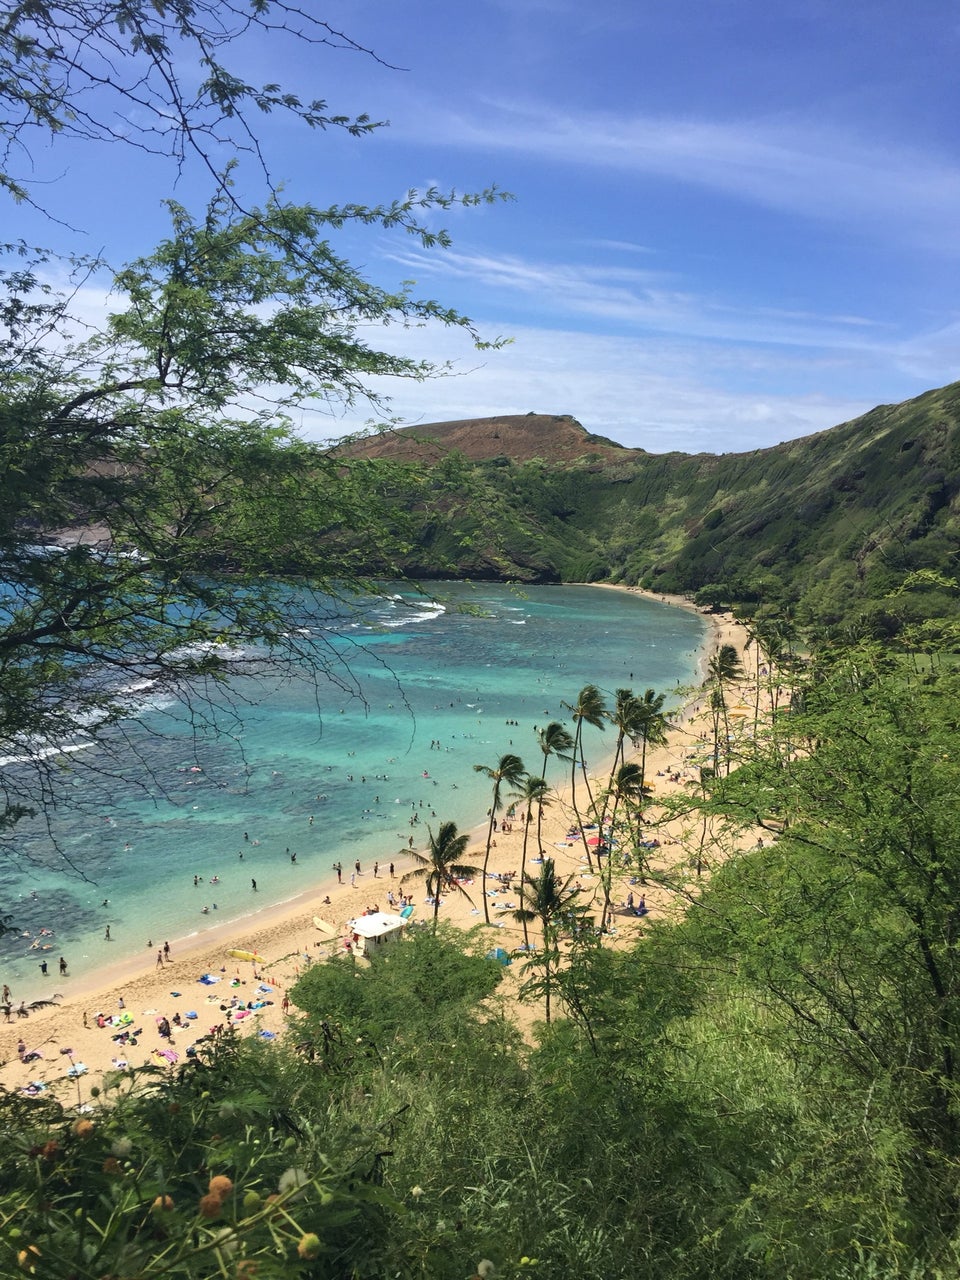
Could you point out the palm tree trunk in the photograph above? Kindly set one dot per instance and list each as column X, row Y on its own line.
column 523, row 874
column 579, row 763
column 486, row 855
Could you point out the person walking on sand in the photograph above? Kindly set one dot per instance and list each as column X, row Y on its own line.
column 159, row 958
column 166, row 951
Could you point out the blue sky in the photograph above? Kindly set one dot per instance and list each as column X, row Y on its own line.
column 733, row 224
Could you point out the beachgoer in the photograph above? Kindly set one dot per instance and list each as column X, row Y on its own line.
column 22, row 1010
column 85, row 1022
column 285, row 1004
column 356, row 867
column 106, row 935
column 166, row 951
column 7, row 1012
column 63, row 966
column 121, row 1003
column 21, row 1050
column 376, row 870
column 160, row 958
column 43, row 967
column 253, row 885
column 6, row 994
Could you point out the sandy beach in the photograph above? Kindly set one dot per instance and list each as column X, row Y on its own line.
column 199, row 986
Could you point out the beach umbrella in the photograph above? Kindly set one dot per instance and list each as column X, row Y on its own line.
column 246, row 955
column 499, row 955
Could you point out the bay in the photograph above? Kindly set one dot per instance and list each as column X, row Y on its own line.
column 295, row 776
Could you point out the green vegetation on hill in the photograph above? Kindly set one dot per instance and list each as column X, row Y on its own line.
column 830, row 526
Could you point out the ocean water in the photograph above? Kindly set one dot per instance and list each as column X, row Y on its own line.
column 320, row 771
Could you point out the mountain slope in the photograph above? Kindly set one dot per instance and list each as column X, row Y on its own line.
column 832, row 522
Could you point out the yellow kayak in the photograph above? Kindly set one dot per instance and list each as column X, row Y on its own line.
column 246, row 955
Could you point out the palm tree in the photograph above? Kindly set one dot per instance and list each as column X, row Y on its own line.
column 509, row 769
column 724, row 667
column 557, row 741
column 588, row 709
column 626, row 716
column 532, row 791
column 650, row 724
column 551, row 902
column 627, row 787
column 440, row 866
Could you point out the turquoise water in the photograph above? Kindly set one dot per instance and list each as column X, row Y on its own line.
column 316, row 772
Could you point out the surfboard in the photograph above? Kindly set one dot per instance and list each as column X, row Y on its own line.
column 324, row 926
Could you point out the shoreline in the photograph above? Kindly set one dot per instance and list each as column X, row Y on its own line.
column 284, row 934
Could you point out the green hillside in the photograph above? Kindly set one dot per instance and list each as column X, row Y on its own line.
column 831, row 524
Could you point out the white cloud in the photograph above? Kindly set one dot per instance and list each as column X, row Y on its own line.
column 801, row 168
column 634, row 299
column 657, row 396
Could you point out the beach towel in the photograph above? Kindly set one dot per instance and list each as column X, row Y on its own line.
column 32, row 1090
column 192, row 1014
column 268, row 1035
column 120, row 1063
column 208, row 979
column 78, row 1069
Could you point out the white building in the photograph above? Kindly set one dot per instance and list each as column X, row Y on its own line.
column 372, row 933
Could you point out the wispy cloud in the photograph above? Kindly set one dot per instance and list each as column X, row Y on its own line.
column 807, row 169
column 627, row 297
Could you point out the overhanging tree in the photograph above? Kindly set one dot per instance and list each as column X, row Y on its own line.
column 160, row 450
column 166, row 436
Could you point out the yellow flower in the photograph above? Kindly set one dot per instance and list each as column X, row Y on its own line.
column 27, row 1258
column 309, row 1246
column 82, row 1128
